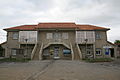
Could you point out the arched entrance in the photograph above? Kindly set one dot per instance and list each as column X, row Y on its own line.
column 56, row 51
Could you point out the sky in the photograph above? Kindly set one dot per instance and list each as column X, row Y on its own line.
column 104, row 13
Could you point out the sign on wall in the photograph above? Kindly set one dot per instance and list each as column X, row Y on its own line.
column 30, row 36
column 107, row 51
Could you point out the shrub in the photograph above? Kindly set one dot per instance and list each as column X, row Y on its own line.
column 99, row 60
column 14, row 60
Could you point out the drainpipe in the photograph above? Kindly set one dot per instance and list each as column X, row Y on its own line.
column 86, row 46
column 26, row 40
column 94, row 52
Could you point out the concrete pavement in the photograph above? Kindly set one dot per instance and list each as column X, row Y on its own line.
column 59, row 70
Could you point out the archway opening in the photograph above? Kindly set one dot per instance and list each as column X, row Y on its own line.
column 56, row 51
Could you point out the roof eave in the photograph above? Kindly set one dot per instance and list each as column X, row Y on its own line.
column 93, row 29
column 19, row 29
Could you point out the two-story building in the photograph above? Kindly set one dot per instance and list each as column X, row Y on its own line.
column 58, row 41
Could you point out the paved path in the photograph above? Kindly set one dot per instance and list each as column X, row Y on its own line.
column 59, row 70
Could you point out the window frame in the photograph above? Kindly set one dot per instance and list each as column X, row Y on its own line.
column 56, row 35
column 14, row 54
column 98, row 35
column 15, row 35
column 49, row 35
column 65, row 35
column 100, row 51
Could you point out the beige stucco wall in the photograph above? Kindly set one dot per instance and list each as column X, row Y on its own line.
column 42, row 38
column 71, row 38
column 99, row 43
column 11, row 43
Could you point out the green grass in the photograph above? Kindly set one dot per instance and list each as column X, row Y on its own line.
column 14, row 60
column 99, row 60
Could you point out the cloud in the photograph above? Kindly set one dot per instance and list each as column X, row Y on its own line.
column 96, row 12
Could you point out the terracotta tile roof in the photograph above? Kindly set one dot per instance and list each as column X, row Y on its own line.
column 110, row 43
column 117, row 43
column 91, row 27
column 3, row 43
column 22, row 27
column 57, row 25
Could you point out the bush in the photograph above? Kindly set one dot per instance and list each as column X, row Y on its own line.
column 14, row 60
column 99, row 60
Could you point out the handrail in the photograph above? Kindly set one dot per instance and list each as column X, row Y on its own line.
column 33, row 51
column 79, row 51
column 40, row 52
column 72, row 51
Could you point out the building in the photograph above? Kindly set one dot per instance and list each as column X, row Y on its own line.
column 2, row 51
column 58, row 41
column 118, row 50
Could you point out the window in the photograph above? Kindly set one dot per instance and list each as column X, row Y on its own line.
column 98, row 51
column 57, row 36
column 15, row 35
column 88, row 52
column 98, row 35
column 14, row 51
column 65, row 35
column 81, row 36
column 49, row 36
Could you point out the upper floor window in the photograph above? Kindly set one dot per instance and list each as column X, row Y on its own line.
column 15, row 35
column 65, row 35
column 49, row 35
column 98, row 35
column 56, row 36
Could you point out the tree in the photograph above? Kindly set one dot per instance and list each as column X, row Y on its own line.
column 117, row 41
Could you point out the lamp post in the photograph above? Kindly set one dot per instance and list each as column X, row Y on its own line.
column 26, row 40
column 86, row 46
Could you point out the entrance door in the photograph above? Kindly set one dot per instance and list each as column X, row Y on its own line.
column 112, row 52
column 56, row 53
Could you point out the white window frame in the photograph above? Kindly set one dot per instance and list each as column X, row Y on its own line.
column 99, row 50
column 81, row 36
column 49, row 35
column 65, row 35
column 15, row 35
column 14, row 52
column 98, row 35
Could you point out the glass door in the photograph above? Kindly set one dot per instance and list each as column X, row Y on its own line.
column 56, row 53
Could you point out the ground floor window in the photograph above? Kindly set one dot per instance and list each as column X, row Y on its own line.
column 98, row 51
column 14, row 51
column 2, row 52
column 88, row 52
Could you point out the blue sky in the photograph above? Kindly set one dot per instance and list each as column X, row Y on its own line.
column 104, row 13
